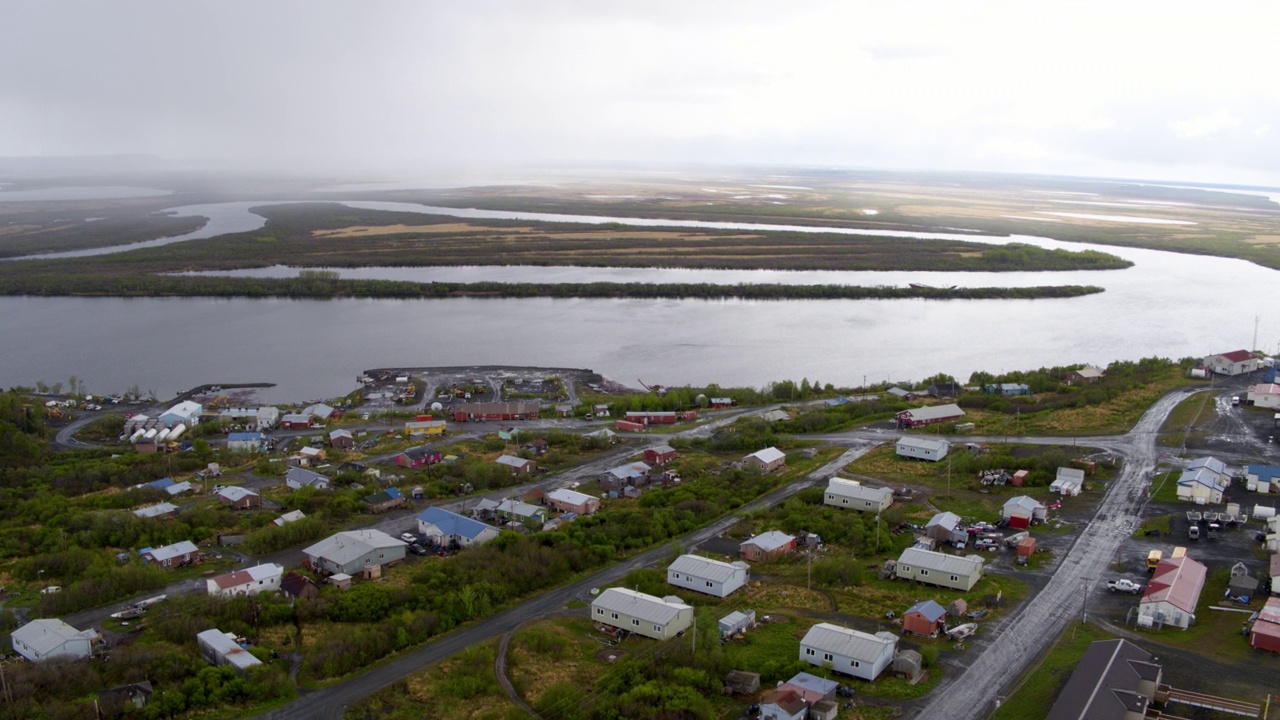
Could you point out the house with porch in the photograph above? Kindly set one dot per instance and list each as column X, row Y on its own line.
column 177, row 555
column 298, row 478
column 52, row 639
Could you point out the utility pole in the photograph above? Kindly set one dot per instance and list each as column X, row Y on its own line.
column 1084, row 598
column 695, row 633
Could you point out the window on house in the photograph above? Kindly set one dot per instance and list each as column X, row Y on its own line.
column 635, row 622
column 613, row 616
column 857, row 664
column 599, row 611
column 709, row 584
column 826, row 657
column 955, row 578
column 657, row 628
column 844, row 501
column 809, row 652
column 924, row 572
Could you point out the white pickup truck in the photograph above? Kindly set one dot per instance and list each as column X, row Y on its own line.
column 1123, row 585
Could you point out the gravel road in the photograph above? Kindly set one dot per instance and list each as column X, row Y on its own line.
column 1015, row 643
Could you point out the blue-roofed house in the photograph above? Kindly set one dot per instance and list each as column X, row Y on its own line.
column 161, row 484
column 1262, row 478
column 924, row 618
column 246, row 442
column 451, row 529
column 1007, row 389
column 1204, row 481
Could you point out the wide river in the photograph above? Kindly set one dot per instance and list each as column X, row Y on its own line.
column 1167, row 304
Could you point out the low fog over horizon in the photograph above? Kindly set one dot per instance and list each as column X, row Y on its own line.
column 411, row 91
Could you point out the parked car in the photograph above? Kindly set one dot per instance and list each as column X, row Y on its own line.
column 409, row 538
column 417, row 549
column 1124, row 585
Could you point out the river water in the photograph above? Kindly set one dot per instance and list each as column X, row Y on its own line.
column 1167, row 304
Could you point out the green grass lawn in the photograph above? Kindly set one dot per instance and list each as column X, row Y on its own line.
column 1189, row 414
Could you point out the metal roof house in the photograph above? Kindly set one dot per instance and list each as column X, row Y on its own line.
column 175, row 555
column 566, row 500
column 659, row 618
column 187, row 413
column 517, row 464
column 1261, row 478
column 47, row 639
column 1115, row 680
column 520, row 511
column 451, row 529
column 1069, row 481
column 250, row 581
column 246, row 442
column 159, row 510
column 1264, row 395
column 353, row 551
column 924, row 618
column 854, row 495
column 1023, row 510
column 1171, row 596
column 286, row 518
column 704, row 575
column 766, row 460
column 767, row 546
column 935, row 568
column 922, row 448
column 1201, row 486
column 239, row 498
column 846, row 651
column 929, row 415
column 945, row 527
column 221, row 648
column 298, row 478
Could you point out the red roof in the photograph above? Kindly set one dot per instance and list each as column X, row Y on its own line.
column 788, row 700
column 1177, row 581
column 1238, row 355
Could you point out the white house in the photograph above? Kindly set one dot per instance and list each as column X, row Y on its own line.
column 1236, row 362
column 353, row 551
column 221, row 648
column 159, row 510
column 41, row 640
column 1266, row 395
column 566, row 500
column 268, row 417
column 851, row 652
column 659, row 618
column 1204, row 481
column 1069, row 481
column 250, row 581
column 704, row 575
column 854, row 495
column 935, row 568
column 291, row 516
column 766, row 460
column 1023, row 510
column 922, row 448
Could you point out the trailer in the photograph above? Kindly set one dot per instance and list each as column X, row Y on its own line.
column 128, row 613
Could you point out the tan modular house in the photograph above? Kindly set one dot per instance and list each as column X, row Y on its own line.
column 846, row 651
column 354, row 551
column 1204, row 481
column 766, row 460
column 50, row 638
column 853, row 495
column 922, row 448
column 659, row 618
column 565, row 500
column 941, row 569
column 704, row 575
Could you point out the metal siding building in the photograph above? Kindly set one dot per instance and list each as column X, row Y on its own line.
column 848, row 651
column 853, row 495
column 641, row 614
column 705, row 575
column 935, row 568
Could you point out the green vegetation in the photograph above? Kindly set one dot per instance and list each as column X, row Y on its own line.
column 1190, row 414
column 1040, row 684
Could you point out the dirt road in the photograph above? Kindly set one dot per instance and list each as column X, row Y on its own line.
column 973, row 691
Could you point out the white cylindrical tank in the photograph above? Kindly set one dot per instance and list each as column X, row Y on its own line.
column 177, row 431
column 1263, row 512
column 1199, row 373
column 160, row 437
column 150, row 434
column 137, row 435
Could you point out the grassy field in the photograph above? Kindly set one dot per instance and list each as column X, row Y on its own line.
column 1182, row 422
column 1041, row 683
column 463, row 687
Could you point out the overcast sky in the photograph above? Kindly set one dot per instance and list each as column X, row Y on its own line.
column 1186, row 91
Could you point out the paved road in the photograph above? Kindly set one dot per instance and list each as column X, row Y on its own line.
column 331, row 701
column 973, row 691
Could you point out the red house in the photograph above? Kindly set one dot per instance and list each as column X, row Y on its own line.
column 239, row 498
column 628, row 426
column 929, row 415
column 418, row 457
column 924, row 618
column 767, row 546
column 1265, row 633
column 660, row 455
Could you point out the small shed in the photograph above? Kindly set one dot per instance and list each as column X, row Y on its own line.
column 1018, row 478
column 741, row 682
column 823, row 710
column 1026, row 546
column 924, row 618
column 957, row 608
column 736, row 622
column 342, row 581
column 908, row 664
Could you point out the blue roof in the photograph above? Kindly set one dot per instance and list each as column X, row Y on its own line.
column 394, row 493
column 160, row 484
column 931, row 610
column 452, row 523
column 1265, row 472
column 243, row 436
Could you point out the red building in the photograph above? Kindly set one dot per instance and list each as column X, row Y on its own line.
column 929, row 415
column 924, row 618
column 495, row 411
column 660, row 455
column 1265, row 633
column 628, row 426
column 418, row 457
column 663, row 417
